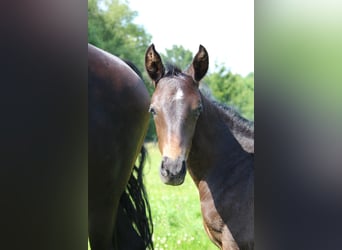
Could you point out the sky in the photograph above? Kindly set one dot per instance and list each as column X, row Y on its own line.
column 224, row 27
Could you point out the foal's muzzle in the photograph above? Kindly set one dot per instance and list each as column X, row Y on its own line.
column 172, row 172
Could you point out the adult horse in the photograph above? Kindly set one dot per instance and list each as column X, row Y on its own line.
column 118, row 210
column 213, row 142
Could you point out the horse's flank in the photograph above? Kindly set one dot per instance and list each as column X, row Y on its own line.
column 117, row 123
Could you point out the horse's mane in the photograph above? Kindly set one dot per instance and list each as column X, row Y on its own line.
column 240, row 127
column 132, row 66
column 239, row 123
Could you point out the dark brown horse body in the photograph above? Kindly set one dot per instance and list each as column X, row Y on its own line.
column 213, row 143
column 117, row 102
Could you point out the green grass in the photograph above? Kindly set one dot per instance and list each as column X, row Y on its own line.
column 176, row 211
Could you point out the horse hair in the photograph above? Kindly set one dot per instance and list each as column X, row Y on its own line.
column 135, row 203
column 172, row 70
column 237, row 124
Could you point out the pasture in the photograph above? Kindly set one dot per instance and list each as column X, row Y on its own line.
column 176, row 211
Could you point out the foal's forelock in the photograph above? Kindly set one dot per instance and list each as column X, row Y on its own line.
column 172, row 70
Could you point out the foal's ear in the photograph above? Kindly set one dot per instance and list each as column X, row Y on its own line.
column 200, row 64
column 153, row 64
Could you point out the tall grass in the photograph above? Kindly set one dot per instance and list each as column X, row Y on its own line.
column 176, row 211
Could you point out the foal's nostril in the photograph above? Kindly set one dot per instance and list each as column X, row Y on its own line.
column 165, row 159
column 163, row 171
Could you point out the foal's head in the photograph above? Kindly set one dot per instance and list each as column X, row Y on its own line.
column 176, row 105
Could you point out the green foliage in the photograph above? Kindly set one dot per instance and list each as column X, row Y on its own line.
column 178, row 55
column 233, row 89
column 111, row 28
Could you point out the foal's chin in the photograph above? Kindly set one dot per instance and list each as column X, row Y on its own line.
column 174, row 180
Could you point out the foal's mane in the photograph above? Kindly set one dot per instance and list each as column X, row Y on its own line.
column 237, row 123
column 241, row 128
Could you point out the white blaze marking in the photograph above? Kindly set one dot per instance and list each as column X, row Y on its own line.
column 179, row 95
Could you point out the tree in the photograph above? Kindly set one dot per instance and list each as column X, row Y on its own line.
column 178, row 55
column 111, row 28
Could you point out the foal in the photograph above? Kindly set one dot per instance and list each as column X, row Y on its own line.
column 213, row 143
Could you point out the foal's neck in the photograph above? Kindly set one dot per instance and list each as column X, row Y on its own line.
column 213, row 144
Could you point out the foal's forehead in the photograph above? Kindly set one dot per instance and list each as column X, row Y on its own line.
column 178, row 87
column 176, row 93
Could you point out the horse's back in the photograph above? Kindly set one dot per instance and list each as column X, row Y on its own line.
column 118, row 103
column 109, row 74
column 117, row 123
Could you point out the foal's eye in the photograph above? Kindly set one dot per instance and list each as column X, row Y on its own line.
column 152, row 111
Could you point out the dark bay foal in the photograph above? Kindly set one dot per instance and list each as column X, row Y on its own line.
column 214, row 143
